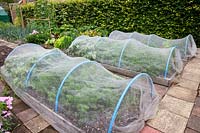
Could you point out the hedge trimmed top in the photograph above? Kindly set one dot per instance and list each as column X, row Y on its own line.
column 166, row 18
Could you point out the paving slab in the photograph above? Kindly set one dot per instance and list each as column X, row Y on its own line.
column 176, row 106
column 168, row 122
column 183, row 93
column 26, row 115
column 188, row 84
column 193, row 65
column 197, row 101
column 197, row 56
column 161, row 90
column 37, row 124
column 191, row 76
column 198, row 53
column 196, row 108
column 192, row 69
column 19, row 107
column 148, row 129
column 49, row 129
column 196, row 111
column 16, row 101
column 21, row 129
column 194, row 60
column 194, row 123
column 188, row 130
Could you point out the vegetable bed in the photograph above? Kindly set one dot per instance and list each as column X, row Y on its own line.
column 186, row 45
column 81, row 92
column 129, row 54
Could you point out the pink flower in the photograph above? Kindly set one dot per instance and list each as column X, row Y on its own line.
column 9, row 107
column 4, row 112
column 8, row 101
column 2, row 99
column 8, row 114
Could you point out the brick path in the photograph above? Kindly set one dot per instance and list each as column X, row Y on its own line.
column 179, row 109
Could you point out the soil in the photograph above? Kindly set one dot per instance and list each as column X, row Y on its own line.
column 4, row 51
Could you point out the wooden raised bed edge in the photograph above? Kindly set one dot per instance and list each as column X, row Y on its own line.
column 54, row 119
column 128, row 73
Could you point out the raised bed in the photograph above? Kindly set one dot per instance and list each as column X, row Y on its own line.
column 79, row 95
column 186, row 45
column 130, row 57
column 157, row 80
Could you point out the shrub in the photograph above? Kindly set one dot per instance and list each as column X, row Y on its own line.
column 39, row 38
column 65, row 30
column 92, row 30
column 166, row 18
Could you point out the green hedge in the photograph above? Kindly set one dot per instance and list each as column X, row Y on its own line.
column 166, row 18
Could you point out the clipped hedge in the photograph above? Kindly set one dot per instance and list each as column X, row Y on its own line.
column 166, row 18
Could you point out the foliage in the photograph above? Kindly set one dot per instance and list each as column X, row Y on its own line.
column 27, row 11
column 42, row 9
column 8, row 125
column 65, row 29
column 6, row 91
column 107, row 51
column 50, row 41
column 39, row 38
column 63, row 42
column 166, row 18
column 83, row 99
column 39, row 25
column 8, row 1
column 17, row 21
column 92, row 31
column 6, row 120
column 67, row 33
column 12, row 33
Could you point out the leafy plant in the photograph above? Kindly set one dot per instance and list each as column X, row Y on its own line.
column 50, row 41
column 63, row 42
column 39, row 38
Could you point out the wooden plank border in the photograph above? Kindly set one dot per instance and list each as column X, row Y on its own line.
column 128, row 73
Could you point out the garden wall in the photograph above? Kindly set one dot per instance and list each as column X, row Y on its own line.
column 166, row 18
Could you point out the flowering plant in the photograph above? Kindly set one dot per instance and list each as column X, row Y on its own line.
column 5, row 107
